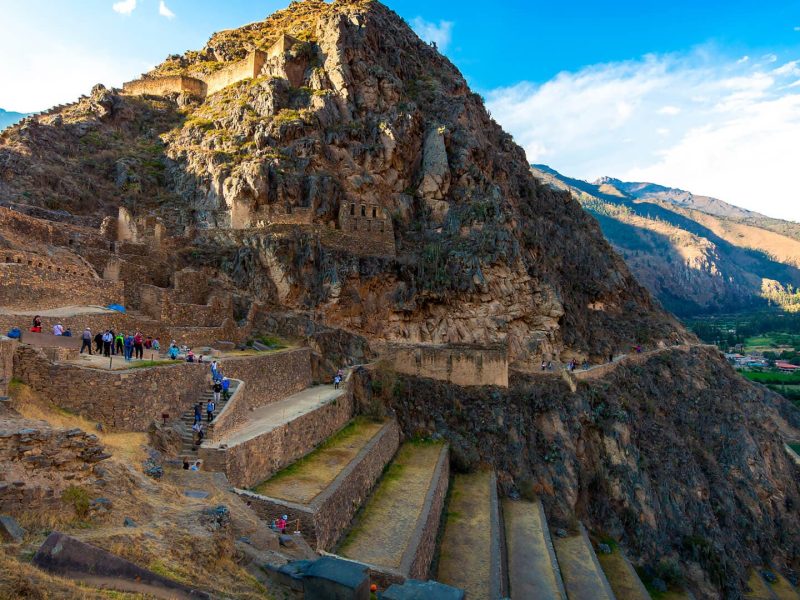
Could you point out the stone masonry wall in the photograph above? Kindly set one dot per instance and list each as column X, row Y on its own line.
column 258, row 458
column 460, row 365
column 238, row 71
column 325, row 520
column 7, row 349
column 126, row 400
column 45, row 263
column 268, row 378
column 175, row 84
column 39, row 462
column 21, row 285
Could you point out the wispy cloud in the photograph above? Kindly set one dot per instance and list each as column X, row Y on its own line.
column 440, row 33
column 164, row 10
column 699, row 121
column 124, row 7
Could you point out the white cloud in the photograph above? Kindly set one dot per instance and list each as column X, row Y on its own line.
column 742, row 60
column 709, row 124
column 164, row 10
column 124, row 7
column 441, row 33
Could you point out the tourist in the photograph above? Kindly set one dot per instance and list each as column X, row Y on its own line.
column 197, row 428
column 190, row 356
column 36, row 327
column 127, row 344
column 196, row 465
column 98, row 343
column 86, row 341
column 212, row 406
column 217, row 389
column 200, row 359
column 185, row 464
column 148, row 343
column 336, row 381
column 544, row 365
column 58, row 329
column 108, row 339
column 198, row 412
column 280, row 523
column 156, row 345
column 173, row 351
column 67, row 332
column 214, row 369
column 138, row 345
column 226, row 385
column 119, row 343
column 549, row 365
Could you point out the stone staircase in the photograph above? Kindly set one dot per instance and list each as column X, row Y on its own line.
column 189, row 450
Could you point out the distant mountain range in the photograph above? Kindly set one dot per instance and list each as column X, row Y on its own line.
column 8, row 118
column 696, row 254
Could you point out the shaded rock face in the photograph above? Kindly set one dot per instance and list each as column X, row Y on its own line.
column 484, row 254
column 678, row 457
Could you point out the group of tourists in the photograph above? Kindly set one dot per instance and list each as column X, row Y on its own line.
column 110, row 343
column 220, row 387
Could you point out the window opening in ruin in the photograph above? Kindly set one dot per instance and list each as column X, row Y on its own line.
column 374, row 212
column 352, row 210
column 363, row 211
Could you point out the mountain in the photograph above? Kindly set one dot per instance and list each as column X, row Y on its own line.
column 696, row 254
column 327, row 167
column 8, row 118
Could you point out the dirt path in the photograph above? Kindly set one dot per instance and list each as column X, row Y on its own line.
column 64, row 311
column 307, row 478
column 466, row 555
column 384, row 529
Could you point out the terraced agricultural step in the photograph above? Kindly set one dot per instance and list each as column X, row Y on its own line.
column 583, row 577
column 325, row 488
column 533, row 570
column 470, row 557
column 395, row 533
column 784, row 590
column 762, row 590
column 278, row 434
column 622, row 577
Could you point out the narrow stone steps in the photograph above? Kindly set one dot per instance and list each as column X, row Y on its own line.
column 324, row 489
column 621, row 575
column 583, row 577
column 187, row 418
column 533, row 570
column 470, row 556
column 395, row 532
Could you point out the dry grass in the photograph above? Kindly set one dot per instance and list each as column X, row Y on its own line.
column 128, row 447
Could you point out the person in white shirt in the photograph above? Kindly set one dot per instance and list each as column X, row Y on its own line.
column 58, row 329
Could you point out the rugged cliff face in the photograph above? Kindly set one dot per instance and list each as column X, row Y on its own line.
column 270, row 176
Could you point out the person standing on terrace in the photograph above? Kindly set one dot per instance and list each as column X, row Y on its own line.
column 86, row 341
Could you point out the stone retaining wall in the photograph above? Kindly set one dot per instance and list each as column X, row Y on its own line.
column 460, row 365
column 121, row 400
column 22, row 285
column 258, row 458
column 7, row 349
column 268, row 378
column 327, row 517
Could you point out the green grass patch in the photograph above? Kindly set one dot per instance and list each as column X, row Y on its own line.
column 153, row 363
column 772, row 377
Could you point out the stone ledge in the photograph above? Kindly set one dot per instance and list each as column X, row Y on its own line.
column 327, row 516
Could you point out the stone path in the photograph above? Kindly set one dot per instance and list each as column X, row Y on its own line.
column 189, row 449
column 583, row 577
column 385, row 528
column 307, row 478
column 622, row 577
column 470, row 557
column 274, row 415
column 533, row 571
column 64, row 311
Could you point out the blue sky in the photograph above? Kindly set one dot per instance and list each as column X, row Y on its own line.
column 699, row 95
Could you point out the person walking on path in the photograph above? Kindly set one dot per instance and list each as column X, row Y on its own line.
column 138, row 344
column 108, row 339
column 98, row 343
column 58, row 329
column 214, row 370
column 197, row 428
column 119, row 343
column 217, row 389
column 210, row 408
column 197, row 413
column 86, row 341
column 336, row 381
column 226, row 386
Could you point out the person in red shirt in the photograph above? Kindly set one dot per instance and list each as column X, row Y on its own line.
column 138, row 345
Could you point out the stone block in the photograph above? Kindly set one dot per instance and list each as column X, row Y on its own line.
column 330, row 578
column 422, row 590
column 66, row 556
column 10, row 531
